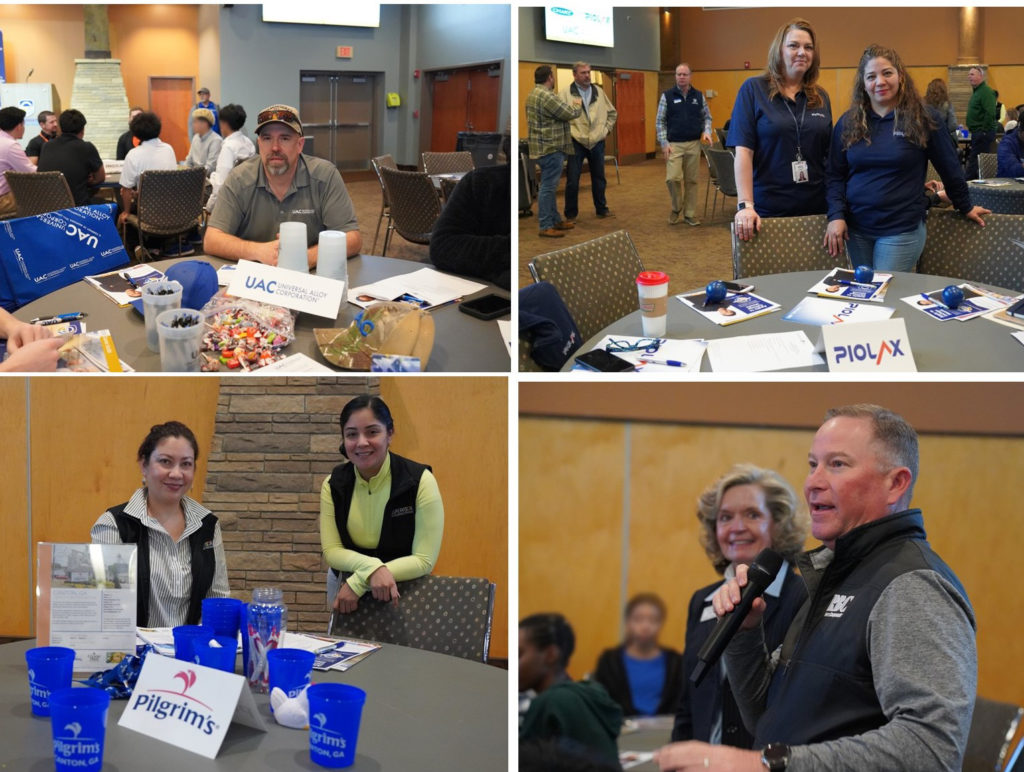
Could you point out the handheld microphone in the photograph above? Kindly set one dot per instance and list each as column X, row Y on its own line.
column 762, row 572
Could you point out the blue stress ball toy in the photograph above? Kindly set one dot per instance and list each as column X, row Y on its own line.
column 952, row 296
column 863, row 274
column 715, row 292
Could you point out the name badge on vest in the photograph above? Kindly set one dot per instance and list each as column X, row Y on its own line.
column 208, row 545
column 403, row 511
column 677, row 101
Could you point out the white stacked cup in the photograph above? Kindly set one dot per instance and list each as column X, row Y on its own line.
column 332, row 256
column 291, row 253
column 652, row 286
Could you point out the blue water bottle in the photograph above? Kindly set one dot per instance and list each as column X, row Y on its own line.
column 266, row 621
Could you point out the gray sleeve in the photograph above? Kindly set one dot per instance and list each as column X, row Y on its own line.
column 749, row 669
column 338, row 212
column 708, row 125
column 921, row 638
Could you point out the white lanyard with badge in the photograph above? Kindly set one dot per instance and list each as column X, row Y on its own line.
column 800, row 174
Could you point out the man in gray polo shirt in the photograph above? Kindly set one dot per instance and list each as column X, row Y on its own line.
column 279, row 185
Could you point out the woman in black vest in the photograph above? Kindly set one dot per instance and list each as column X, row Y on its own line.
column 381, row 515
column 641, row 675
column 181, row 552
column 745, row 511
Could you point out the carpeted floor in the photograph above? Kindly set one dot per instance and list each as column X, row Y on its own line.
column 691, row 256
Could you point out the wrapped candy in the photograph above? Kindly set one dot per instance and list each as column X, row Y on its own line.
column 244, row 334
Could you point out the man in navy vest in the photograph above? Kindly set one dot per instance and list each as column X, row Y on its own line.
column 879, row 668
column 683, row 122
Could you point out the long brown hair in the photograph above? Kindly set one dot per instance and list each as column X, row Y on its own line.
column 911, row 116
column 775, row 71
column 936, row 94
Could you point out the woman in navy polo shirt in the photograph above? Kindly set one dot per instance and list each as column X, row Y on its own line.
column 881, row 147
column 781, row 128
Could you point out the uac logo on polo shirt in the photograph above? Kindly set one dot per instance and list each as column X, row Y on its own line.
column 837, row 607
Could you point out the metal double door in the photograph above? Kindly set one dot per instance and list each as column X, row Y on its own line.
column 340, row 114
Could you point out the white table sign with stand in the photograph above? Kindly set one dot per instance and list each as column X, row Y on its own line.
column 292, row 289
column 189, row 706
column 868, row 347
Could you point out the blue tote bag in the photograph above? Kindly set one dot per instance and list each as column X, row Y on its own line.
column 41, row 254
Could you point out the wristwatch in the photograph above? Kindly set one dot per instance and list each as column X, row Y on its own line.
column 775, row 757
column 744, row 205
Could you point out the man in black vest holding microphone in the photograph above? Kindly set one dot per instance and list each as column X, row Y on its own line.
column 879, row 669
column 683, row 122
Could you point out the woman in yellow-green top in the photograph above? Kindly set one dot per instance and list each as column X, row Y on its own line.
column 381, row 516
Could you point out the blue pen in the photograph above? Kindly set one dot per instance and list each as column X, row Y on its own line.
column 58, row 318
column 665, row 362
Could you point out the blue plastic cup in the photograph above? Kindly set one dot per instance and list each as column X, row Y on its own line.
column 78, row 718
column 222, row 614
column 49, row 668
column 221, row 656
column 334, row 714
column 184, row 635
column 290, row 670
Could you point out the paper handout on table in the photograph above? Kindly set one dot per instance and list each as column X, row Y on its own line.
column 505, row 330
column 762, row 353
column 976, row 302
column 688, row 353
column 123, row 286
column 344, row 655
column 296, row 363
column 425, row 288
column 85, row 596
column 841, row 284
column 819, row 312
column 737, row 307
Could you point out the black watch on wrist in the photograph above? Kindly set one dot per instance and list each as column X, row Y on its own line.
column 743, row 205
column 775, row 757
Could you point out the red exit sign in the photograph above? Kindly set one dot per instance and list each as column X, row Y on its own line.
column 343, row 52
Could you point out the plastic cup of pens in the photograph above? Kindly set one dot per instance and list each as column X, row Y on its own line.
column 78, row 720
column 652, row 287
column 49, row 668
column 290, row 670
column 335, row 711
column 157, row 297
column 181, row 338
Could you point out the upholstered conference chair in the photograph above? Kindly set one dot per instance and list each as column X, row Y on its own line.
column 415, row 206
column 782, row 245
column 958, row 247
column 39, row 192
column 448, row 163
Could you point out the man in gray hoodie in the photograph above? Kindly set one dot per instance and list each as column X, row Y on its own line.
column 879, row 668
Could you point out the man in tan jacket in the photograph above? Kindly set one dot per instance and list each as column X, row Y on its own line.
column 588, row 134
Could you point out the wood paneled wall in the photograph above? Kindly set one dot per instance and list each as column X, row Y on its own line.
column 608, row 509
column 15, row 613
column 460, row 427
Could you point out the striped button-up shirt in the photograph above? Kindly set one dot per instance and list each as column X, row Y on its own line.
column 547, row 118
column 170, row 561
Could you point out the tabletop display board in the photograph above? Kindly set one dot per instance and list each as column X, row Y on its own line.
column 85, row 600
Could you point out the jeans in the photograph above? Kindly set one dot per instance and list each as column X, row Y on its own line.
column 981, row 142
column 550, row 172
column 899, row 252
column 595, row 160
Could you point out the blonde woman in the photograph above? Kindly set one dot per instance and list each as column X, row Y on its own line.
column 746, row 510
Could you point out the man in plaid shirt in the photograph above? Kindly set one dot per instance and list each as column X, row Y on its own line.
column 548, row 118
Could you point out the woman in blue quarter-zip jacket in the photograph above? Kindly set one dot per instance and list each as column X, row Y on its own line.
column 876, row 171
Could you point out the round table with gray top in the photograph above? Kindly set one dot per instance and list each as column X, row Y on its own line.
column 1007, row 197
column 977, row 345
column 424, row 711
column 462, row 343
column 645, row 734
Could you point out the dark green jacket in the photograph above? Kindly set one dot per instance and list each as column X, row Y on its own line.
column 981, row 110
column 578, row 711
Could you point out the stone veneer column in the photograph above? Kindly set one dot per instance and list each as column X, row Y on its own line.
column 98, row 91
column 275, row 441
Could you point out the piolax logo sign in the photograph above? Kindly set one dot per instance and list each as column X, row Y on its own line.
column 188, row 705
column 881, row 346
